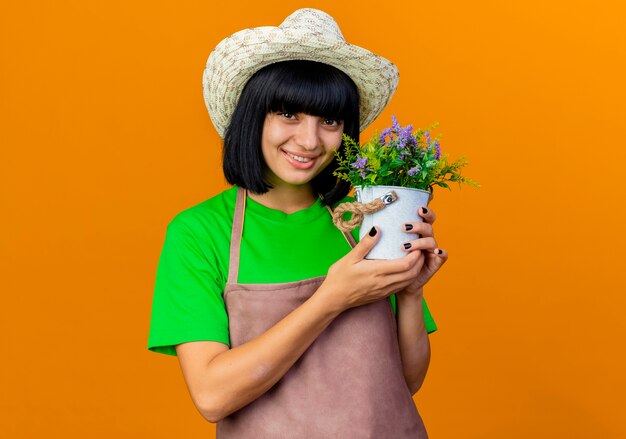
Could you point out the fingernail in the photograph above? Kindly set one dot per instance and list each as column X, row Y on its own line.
column 373, row 231
column 439, row 251
column 408, row 227
column 424, row 210
column 407, row 245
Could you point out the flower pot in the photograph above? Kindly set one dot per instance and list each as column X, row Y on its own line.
column 391, row 219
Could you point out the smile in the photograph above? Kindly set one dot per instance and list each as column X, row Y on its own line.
column 299, row 161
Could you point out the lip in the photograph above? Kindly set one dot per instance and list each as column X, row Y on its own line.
column 302, row 154
column 297, row 164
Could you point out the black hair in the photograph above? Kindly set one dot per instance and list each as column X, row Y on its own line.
column 296, row 86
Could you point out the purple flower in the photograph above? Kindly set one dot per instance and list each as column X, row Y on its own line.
column 427, row 135
column 360, row 162
column 383, row 136
column 405, row 137
column 437, row 149
column 362, row 174
column 410, row 138
column 414, row 170
column 405, row 132
column 395, row 126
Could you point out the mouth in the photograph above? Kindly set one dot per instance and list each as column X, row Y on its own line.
column 300, row 161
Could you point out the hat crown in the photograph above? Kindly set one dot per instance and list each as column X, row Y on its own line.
column 313, row 22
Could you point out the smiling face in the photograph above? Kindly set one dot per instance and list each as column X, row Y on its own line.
column 298, row 107
column 297, row 146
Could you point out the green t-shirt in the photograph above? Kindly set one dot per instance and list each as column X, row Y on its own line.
column 276, row 247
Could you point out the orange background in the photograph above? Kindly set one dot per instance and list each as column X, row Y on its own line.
column 105, row 137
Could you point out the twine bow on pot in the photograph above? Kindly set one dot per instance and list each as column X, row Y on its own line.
column 358, row 210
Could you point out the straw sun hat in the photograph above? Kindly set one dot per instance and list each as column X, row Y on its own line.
column 307, row 34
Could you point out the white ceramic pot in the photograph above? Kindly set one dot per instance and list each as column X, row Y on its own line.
column 391, row 219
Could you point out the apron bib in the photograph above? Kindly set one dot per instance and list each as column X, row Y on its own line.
column 348, row 384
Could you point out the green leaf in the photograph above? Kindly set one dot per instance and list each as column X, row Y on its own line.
column 397, row 162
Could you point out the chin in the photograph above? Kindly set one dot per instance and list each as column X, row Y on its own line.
column 294, row 180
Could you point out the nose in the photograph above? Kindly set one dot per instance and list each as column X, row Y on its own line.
column 307, row 134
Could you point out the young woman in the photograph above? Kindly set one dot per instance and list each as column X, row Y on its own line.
column 282, row 328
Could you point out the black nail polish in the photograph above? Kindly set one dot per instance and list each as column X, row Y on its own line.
column 407, row 245
column 373, row 231
column 424, row 210
column 408, row 227
column 439, row 251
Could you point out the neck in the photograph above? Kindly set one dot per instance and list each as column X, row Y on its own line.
column 286, row 199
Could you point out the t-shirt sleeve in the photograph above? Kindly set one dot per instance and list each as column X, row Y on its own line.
column 188, row 303
column 429, row 322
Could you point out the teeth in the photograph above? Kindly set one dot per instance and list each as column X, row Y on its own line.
column 298, row 158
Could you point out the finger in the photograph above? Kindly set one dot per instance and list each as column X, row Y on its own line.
column 366, row 244
column 407, row 276
column 442, row 257
column 384, row 267
column 399, row 286
column 427, row 243
column 394, row 287
column 422, row 229
column 426, row 213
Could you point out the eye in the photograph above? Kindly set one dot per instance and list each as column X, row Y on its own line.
column 332, row 122
column 287, row 115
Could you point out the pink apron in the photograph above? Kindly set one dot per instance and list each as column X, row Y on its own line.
column 348, row 384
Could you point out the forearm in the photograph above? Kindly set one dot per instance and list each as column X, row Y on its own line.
column 240, row 375
column 413, row 339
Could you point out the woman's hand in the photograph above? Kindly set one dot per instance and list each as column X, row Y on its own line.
column 434, row 257
column 354, row 280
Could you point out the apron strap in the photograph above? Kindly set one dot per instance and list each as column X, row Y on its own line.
column 237, row 231
column 235, row 237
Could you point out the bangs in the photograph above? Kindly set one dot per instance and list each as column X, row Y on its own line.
column 312, row 88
